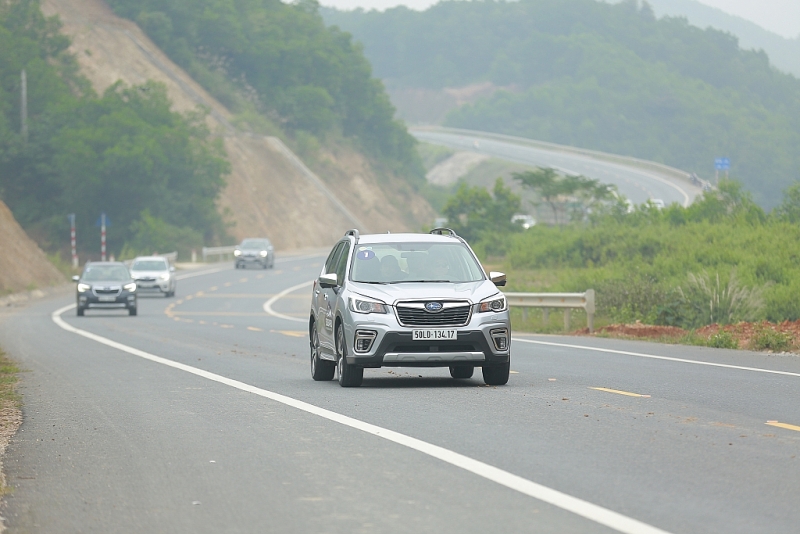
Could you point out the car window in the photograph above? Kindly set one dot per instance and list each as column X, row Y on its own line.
column 341, row 264
column 255, row 243
column 418, row 262
column 149, row 265
column 331, row 261
column 106, row 273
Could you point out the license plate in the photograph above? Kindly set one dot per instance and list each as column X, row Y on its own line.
column 106, row 299
column 431, row 334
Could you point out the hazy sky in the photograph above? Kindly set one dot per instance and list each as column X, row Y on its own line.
column 779, row 16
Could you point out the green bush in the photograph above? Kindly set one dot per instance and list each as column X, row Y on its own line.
column 767, row 338
column 722, row 340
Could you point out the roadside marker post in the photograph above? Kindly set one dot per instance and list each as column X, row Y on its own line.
column 102, row 237
column 73, row 240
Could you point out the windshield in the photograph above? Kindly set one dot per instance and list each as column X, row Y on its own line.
column 391, row 263
column 254, row 243
column 106, row 273
column 149, row 265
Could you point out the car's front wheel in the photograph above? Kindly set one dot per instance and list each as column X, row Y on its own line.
column 132, row 311
column 350, row 376
column 497, row 375
column 320, row 369
column 79, row 311
column 461, row 371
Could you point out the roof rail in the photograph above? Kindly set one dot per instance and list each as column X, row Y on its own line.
column 440, row 231
column 354, row 233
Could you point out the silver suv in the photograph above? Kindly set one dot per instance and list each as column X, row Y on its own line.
column 407, row 300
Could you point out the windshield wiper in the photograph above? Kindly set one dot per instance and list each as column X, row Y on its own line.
column 365, row 282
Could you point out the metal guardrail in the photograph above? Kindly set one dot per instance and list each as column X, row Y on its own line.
column 217, row 251
column 567, row 301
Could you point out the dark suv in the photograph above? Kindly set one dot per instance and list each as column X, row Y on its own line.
column 105, row 285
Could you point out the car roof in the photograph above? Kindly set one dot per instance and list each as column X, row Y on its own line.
column 406, row 238
column 137, row 258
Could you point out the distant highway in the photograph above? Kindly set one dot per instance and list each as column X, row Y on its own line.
column 199, row 415
column 637, row 184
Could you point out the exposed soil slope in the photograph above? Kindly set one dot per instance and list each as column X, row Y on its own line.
column 268, row 193
column 23, row 265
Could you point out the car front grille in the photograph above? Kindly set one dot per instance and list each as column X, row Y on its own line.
column 412, row 314
column 107, row 291
column 146, row 279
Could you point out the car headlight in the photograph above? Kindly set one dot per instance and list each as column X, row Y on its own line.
column 263, row 253
column 83, row 288
column 237, row 252
column 163, row 278
column 364, row 305
column 130, row 287
column 493, row 304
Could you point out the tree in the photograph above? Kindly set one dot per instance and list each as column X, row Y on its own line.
column 579, row 192
column 473, row 213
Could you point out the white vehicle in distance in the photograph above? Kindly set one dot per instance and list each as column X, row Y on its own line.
column 657, row 203
column 154, row 274
column 526, row 221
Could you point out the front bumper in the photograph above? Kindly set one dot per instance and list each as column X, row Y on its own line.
column 143, row 286
column 395, row 347
column 124, row 300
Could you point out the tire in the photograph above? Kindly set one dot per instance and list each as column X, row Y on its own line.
column 350, row 376
column 461, row 371
column 497, row 375
column 79, row 311
column 132, row 311
column 321, row 370
column 266, row 266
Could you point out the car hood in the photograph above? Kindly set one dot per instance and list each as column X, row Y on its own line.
column 391, row 293
column 106, row 283
column 148, row 274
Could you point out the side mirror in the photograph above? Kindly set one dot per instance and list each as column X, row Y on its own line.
column 76, row 278
column 171, row 269
column 499, row 279
column 327, row 281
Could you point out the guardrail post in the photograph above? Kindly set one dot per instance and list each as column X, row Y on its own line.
column 194, row 256
column 525, row 314
column 590, row 309
column 566, row 319
column 546, row 312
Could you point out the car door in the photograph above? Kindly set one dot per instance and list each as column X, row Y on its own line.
column 330, row 296
column 323, row 310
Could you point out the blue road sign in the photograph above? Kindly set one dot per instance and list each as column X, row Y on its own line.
column 99, row 222
column 722, row 164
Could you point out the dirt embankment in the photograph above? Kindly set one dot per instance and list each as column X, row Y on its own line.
column 23, row 265
column 268, row 193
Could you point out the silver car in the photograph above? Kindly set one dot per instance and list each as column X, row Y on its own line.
column 154, row 273
column 407, row 300
column 254, row 251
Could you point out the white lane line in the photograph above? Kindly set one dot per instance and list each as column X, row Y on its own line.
column 587, row 510
column 273, row 300
column 654, row 357
column 298, row 258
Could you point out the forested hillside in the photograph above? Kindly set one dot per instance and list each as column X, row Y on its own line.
column 125, row 152
column 308, row 79
column 594, row 75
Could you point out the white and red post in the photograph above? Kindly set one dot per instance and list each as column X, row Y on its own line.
column 102, row 237
column 73, row 240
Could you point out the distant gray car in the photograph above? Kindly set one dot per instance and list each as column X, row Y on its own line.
column 154, row 273
column 104, row 285
column 254, row 251
column 408, row 300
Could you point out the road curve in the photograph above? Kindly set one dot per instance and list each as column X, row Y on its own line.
column 229, row 433
column 637, row 184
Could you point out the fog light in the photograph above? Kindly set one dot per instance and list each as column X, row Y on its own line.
column 500, row 339
column 364, row 340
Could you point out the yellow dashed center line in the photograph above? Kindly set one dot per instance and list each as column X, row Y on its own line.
column 189, row 297
column 243, row 280
column 226, row 326
column 291, row 333
column 619, row 392
column 254, row 329
column 213, row 288
column 784, row 425
column 227, row 284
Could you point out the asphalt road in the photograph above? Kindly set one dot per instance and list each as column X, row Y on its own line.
column 637, row 185
column 199, row 415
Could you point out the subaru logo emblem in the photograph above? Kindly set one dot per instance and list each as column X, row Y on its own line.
column 434, row 307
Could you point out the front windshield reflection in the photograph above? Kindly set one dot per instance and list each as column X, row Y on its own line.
column 394, row 263
column 106, row 273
